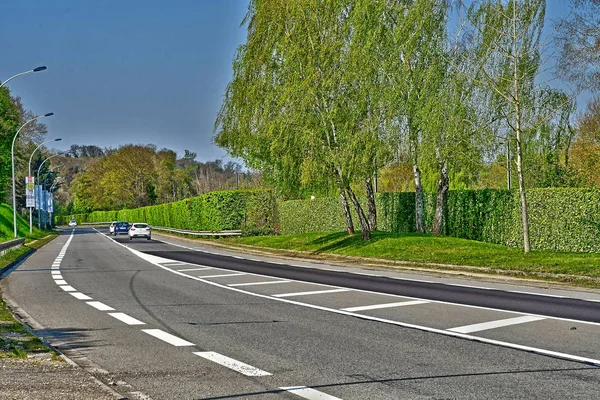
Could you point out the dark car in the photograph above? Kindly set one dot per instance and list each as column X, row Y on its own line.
column 121, row 227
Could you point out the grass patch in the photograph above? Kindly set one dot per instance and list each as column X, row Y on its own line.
column 6, row 226
column 438, row 252
column 15, row 339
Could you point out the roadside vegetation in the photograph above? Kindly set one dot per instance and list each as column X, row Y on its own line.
column 15, row 339
column 437, row 253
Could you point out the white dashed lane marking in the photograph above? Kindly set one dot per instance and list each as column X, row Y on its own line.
column 495, row 324
column 126, row 319
column 167, row 337
column 60, row 282
column 386, row 305
column 230, row 363
column 80, row 296
column 308, row 393
column 100, row 306
column 256, row 283
column 313, row 292
column 68, row 288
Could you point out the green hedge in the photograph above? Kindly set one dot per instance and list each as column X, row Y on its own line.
column 214, row 211
column 559, row 219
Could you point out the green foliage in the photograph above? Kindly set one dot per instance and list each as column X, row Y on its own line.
column 214, row 211
column 561, row 219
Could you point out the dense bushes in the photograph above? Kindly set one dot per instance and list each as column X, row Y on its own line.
column 214, row 211
column 560, row 219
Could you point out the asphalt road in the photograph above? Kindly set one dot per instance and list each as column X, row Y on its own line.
column 173, row 320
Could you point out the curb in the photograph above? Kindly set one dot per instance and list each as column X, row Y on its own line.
column 4, row 271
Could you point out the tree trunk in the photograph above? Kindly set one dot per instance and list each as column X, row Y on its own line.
column 346, row 207
column 440, row 205
column 419, row 225
column 364, row 223
column 372, row 209
column 517, row 105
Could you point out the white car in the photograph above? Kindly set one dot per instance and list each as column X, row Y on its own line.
column 72, row 222
column 139, row 229
column 111, row 228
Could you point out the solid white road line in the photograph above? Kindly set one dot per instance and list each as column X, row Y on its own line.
column 60, row 282
column 194, row 269
column 100, row 306
column 495, row 324
column 257, row 283
column 386, row 305
column 230, row 363
column 222, row 275
column 68, row 288
column 313, row 292
column 80, row 296
column 126, row 318
column 167, row 337
column 308, row 393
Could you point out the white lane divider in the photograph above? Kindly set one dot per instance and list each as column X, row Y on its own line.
column 222, row 275
column 194, row 269
column 496, row 324
column 308, row 393
column 256, row 283
column 126, row 318
column 230, row 363
column 80, row 296
column 386, row 305
column 60, row 282
column 312, row 292
column 100, row 306
column 68, row 288
column 167, row 337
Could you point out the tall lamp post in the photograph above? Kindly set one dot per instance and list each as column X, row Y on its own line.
column 38, row 69
column 31, row 158
column 12, row 155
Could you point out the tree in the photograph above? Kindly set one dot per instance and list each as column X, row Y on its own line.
column 585, row 153
column 309, row 118
column 511, row 47
column 579, row 42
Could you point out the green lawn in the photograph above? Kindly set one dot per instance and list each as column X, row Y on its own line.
column 6, row 225
column 424, row 250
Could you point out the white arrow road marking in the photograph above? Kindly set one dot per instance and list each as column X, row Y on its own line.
column 230, row 363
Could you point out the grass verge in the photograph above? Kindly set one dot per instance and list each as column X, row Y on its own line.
column 16, row 341
column 30, row 244
column 440, row 253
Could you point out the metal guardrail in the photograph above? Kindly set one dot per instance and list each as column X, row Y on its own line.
column 233, row 232
column 11, row 244
column 199, row 233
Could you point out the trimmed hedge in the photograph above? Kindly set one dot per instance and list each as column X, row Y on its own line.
column 559, row 219
column 214, row 211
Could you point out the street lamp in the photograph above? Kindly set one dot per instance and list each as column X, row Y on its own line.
column 30, row 158
column 12, row 155
column 38, row 69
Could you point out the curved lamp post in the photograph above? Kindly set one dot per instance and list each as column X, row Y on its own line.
column 30, row 158
column 12, row 155
column 38, row 69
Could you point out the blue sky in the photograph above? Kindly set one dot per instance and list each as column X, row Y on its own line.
column 128, row 71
